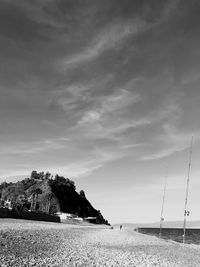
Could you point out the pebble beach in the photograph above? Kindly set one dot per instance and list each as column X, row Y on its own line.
column 27, row 243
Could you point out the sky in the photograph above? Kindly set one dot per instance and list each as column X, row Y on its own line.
column 105, row 93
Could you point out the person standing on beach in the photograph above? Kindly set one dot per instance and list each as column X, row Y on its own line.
column 120, row 227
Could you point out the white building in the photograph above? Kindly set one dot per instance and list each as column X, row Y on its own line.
column 65, row 216
column 8, row 204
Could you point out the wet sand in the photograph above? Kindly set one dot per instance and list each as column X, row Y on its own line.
column 28, row 243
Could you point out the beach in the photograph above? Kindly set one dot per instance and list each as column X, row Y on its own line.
column 27, row 243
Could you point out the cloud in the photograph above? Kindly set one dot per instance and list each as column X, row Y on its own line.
column 38, row 11
column 163, row 153
column 76, row 170
column 170, row 7
column 110, row 105
column 90, row 117
column 173, row 141
column 129, row 146
column 109, row 38
column 73, row 96
column 113, row 36
column 25, row 148
column 85, row 166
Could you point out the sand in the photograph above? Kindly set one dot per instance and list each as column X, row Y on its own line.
column 28, row 243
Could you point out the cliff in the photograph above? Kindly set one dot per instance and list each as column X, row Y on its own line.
column 44, row 193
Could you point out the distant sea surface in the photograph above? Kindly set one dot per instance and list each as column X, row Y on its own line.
column 176, row 234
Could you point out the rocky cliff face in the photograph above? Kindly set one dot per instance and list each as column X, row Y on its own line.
column 49, row 195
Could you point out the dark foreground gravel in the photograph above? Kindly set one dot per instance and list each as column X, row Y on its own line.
column 27, row 243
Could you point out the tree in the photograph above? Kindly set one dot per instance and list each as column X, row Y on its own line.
column 53, row 210
column 82, row 193
column 50, row 196
column 60, row 180
column 47, row 175
column 37, row 175
column 38, row 192
column 41, row 175
column 35, row 194
column 33, row 201
column 21, row 202
column 34, row 175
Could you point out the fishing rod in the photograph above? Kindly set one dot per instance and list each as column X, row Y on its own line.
column 186, row 212
column 163, row 201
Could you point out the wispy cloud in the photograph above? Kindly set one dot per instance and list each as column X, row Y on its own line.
column 170, row 7
column 110, row 38
column 110, row 105
column 73, row 95
column 76, row 170
column 24, row 148
column 173, row 141
column 163, row 153
column 99, row 157
column 114, row 35
column 37, row 11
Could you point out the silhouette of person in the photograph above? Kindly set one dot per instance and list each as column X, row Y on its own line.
column 120, row 227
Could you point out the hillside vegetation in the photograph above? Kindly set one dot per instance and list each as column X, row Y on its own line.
column 42, row 192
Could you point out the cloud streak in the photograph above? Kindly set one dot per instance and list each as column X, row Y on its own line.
column 173, row 142
column 110, row 38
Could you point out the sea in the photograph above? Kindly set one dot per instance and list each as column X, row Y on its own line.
column 192, row 235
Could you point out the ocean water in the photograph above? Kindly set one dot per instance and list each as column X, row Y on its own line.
column 176, row 234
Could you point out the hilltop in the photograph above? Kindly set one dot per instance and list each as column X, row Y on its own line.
column 41, row 192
